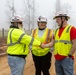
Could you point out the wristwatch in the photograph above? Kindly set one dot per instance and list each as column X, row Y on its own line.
column 69, row 55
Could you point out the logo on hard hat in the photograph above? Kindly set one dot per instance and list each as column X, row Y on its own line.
column 42, row 19
column 16, row 19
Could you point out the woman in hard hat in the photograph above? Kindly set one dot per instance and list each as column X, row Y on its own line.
column 42, row 57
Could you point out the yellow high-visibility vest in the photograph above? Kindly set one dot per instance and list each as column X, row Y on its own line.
column 63, row 44
column 18, row 42
column 46, row 38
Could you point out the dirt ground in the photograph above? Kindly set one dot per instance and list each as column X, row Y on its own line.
column 29, row 67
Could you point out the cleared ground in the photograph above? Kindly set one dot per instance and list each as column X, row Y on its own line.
column 29, row 67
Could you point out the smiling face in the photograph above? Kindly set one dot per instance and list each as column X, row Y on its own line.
column 42, row 25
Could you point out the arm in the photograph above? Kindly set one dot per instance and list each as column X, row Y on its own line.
column 51, row 44
column 26, row 39
column 73, row 49
column 73, row 38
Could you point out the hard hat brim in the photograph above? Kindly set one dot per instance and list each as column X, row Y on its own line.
column 61, row 16
column 16, row 21
column 42, row 21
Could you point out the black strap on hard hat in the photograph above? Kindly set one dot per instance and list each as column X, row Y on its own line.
column 63, row 21
column 66, row 18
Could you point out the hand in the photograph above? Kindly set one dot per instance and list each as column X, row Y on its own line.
column 42, row 45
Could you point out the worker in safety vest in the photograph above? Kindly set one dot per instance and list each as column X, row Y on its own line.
column 18, row 45
column 42, row 57
column 65, row 45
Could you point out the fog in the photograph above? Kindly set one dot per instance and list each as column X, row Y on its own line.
column 43, row 7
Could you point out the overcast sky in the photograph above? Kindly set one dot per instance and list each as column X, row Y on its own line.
column 43, row 7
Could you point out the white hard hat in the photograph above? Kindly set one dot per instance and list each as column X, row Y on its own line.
column 61, row 13
column 42, row 19
column 17, row 18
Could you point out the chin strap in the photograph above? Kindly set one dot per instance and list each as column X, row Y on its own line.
column 61, row 22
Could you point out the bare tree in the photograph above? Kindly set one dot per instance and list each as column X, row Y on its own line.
column 61, row 7
column 58, row 5
column 58, row 8
column 29, row 12
column 10, row 9
column 33, row 14
column 66, row 7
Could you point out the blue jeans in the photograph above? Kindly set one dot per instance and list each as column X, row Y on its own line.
column 16, row 65
column 64, row 66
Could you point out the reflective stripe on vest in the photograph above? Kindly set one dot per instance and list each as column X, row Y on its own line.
column 45, row 38
column 63, row 41
column 66, row 30
column 63, row 44
column 11, row 44
column 10, row 36
column 31, row 41
column 34, row 33
column 47, row 35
